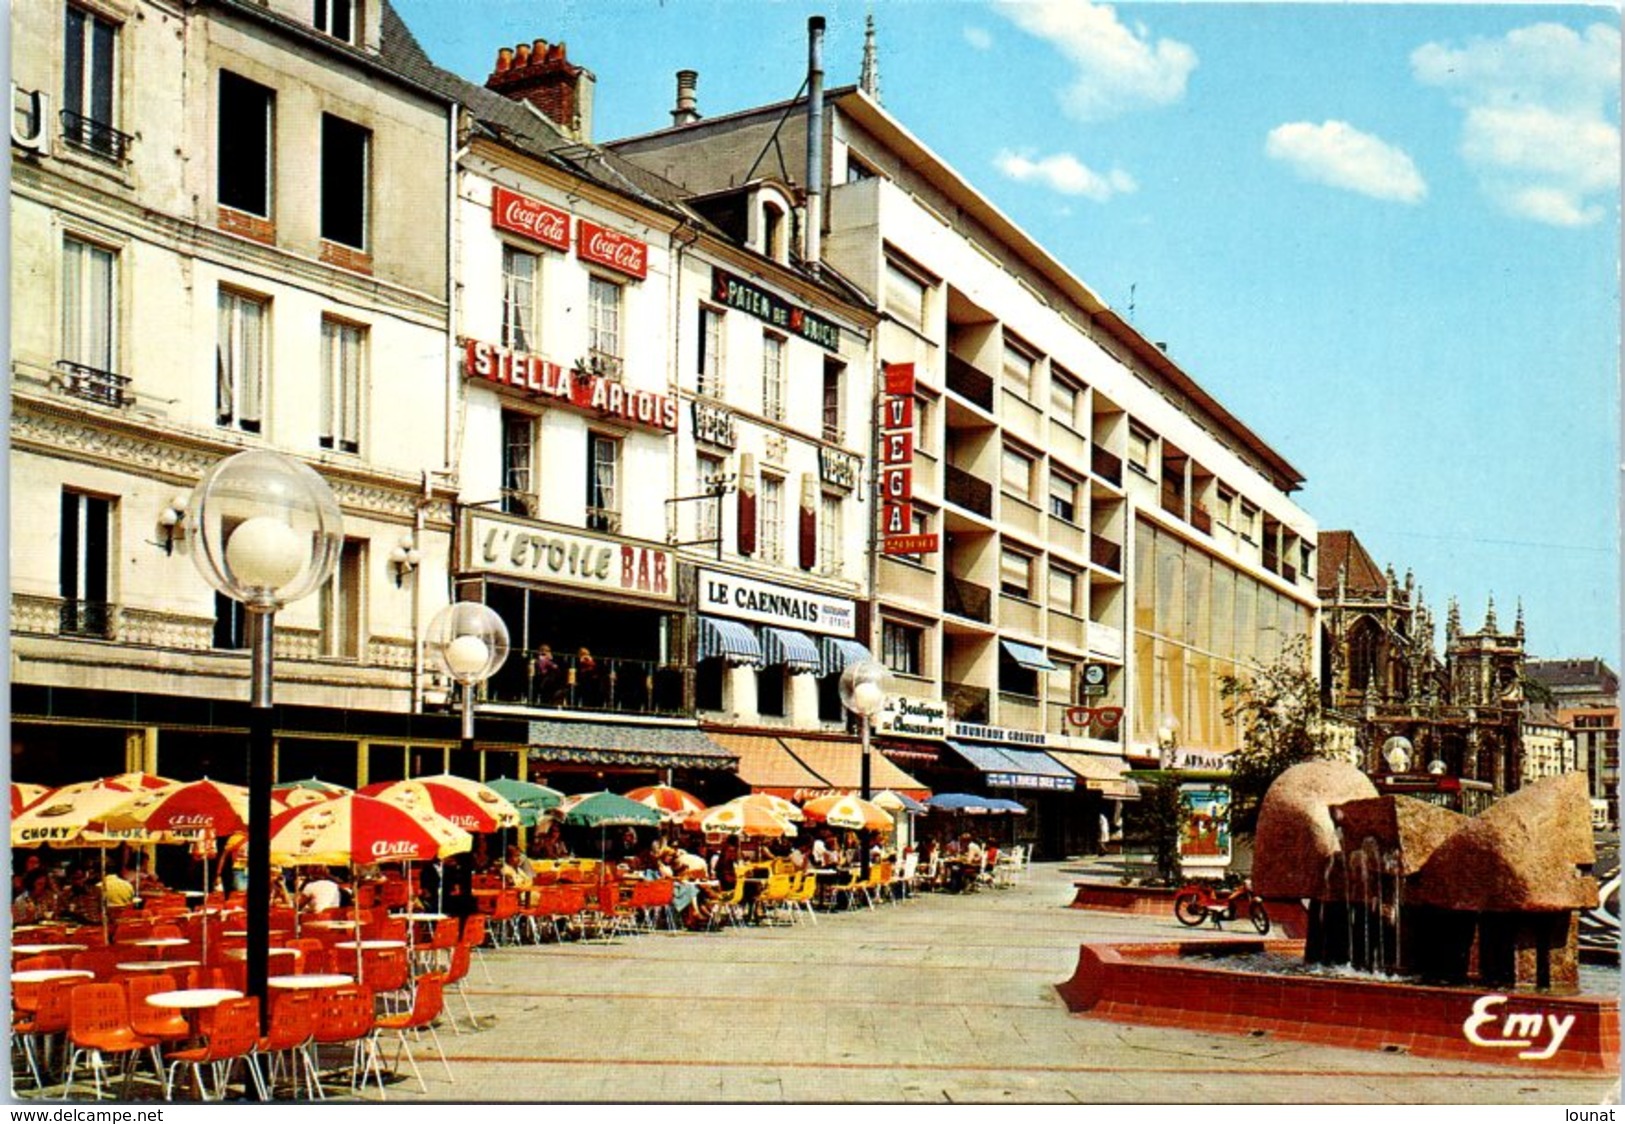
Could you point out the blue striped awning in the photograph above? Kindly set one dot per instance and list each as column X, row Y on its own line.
column 730, row 641
column 1028, row 656
column 838, row 653
column 792, row 649
column 1016, row 768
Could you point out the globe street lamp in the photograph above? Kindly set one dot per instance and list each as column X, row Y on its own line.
column 469, row 641
column 863, row 692
column 266, row 531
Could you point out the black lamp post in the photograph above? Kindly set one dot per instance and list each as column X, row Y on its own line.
column 863, row 692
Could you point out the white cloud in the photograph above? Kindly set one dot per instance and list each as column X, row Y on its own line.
column 1066, row 174
column 1118, row 68
column 1339, row 155
column 979, row 38
column 1536, row 125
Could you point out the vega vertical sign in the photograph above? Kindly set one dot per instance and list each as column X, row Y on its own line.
column 896, row 466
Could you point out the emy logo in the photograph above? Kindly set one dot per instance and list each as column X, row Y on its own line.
column 1515, row 1030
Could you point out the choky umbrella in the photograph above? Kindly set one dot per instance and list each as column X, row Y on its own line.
column 23, row 795
column 851, row 812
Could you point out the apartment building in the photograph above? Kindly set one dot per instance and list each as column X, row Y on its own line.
column 1109, row 538
column 205, row 259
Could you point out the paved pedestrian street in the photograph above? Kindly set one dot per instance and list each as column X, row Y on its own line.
column 941, row 999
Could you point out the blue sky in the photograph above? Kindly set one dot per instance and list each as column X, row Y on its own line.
column 1387, row 237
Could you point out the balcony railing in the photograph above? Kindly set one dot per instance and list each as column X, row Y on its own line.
column 1272, row 561
column 603, row 519
column 86, row 618
column 1201, row 520
column 966, row 491
column 626, row 685
column 970, row 383
column 1173, row 500
column 516, row 502
column 967, row 599
column 1289, row 572
column 604, row 364
column 1106, row 554
column 102, row 387
column 967, row 703
column 94, row 136
column 1106, row 465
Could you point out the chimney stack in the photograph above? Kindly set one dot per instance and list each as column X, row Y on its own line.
column 687, row 111
column 813, row 226
column 543, row 75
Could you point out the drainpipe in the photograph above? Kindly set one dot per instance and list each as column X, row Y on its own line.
column 811, row 247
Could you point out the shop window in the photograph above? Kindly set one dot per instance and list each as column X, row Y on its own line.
column 300, row 759
column 239, row 370
column 343, row 375
column 83, row 564
column 344, row 181
column 384, row 763
column 244, row 173
column 521, row 276
column 708, row 677
column 771, row 691
column 829, row 699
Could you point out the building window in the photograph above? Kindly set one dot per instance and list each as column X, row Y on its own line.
column 770, row 539
column 900, row 647
column 1064, row 396
column 1224, row 507
column 245, row 145
column 336, row 18
column 89, row 305
column 518, row 449
column 1063, row 497
column 239, row 388
column 1139, row 449
column 1063, row 590
column 922, row 424
column 341, row 604
column 603, row 483
column 344, row 181
column 88, row 84
column 604, row 325
column 905, row 297
column 1016, row 573
column 1306, row 559
column 773, row 376
column 711, row 367
column 834, row 381
column 919, row 524
column 86, row 526
column 831, row 525
column 770, row 691
column 343, row 361
column 1018, row 371
column 1016, row 473
column 230, row 622
column 1249, row 522
column 708, row 518
column 521, row 270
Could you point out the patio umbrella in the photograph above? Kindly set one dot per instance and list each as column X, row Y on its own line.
column 1000, row 804
column 22, row 795
column 960, row 802
column 608, row 809
column 778, row 805
column 671, row 803
column 749, row 821
column 470, row 805
column 360, row 829
column 532, row 801
column 894, row 801
column 851, row 812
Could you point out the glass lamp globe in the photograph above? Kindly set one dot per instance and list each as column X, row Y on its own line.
column 266, row 529
column 468, row 640
column 863, row 687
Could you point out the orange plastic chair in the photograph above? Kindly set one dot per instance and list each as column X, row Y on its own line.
column 461, row 955
column 99, row 1025
column 101, row 961
column 344, row 1016
column 312, row 955
column 386, row 973
column 31, row 963
column 234, row 1032
column 51, row 1014
column 427, row 1004
column 293, row 1022
column 157, row 1023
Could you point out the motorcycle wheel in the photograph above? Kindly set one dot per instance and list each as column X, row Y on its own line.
column 1189, row 909
column 1259, row 917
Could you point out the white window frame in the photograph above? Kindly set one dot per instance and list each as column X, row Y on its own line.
column 708, row 511
column 518, row 463
column 521, row 298
column 831, row 533
column 241, row 366
column 604, row 481
column 770, row 519
column 344, row 382
column 322, row 19
column 90, row 304
column 606, row 303
column 775, row 354
column 712, row 368
column 344, row 604
column 94, row 65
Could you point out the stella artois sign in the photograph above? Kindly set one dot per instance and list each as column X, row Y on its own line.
column 606, row 247
column 520, row 214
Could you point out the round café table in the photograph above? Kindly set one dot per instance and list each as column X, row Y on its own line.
column 242, row 953
column 314, row 981
column 193, row 998
column 45, row 949
column 157, row 965
column 369, row 944
column 157, row 942
column 45, row 975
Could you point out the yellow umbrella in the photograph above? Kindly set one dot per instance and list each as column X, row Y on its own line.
column 749, row 821
column 848, row 811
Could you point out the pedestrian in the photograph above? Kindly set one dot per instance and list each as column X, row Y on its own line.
column 1105, row 834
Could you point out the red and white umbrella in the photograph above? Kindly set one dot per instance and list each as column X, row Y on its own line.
column 362, row 829
column 749, row 821
column 767, row 802
column 671, row 803
column 467, row 803
column 22, row 795
column 851, row 812
column 73, row 815
column 208, row 807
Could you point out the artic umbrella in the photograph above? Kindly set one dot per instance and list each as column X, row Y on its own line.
column 361, row 829
column 190, row 807
column 851, row 812
column 470, row 805
column 899, row 802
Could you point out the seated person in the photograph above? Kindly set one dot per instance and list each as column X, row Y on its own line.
column 116, row 892
column 320, row 893
column 517, row 870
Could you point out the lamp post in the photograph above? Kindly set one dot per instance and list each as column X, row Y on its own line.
column 469, row 641
column 266, row 531
column 863, row 692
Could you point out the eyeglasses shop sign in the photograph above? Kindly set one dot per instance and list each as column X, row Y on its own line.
column 728, row 595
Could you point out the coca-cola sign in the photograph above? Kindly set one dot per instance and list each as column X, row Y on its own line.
column 618, row 251
column 530, row 217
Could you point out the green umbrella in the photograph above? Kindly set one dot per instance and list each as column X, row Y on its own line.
column 532, row 800
column 610, row 809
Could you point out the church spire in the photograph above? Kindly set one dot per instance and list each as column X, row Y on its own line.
column 1490, row 627
column 1518, row 628
column 1452, row 622
column 869, row 77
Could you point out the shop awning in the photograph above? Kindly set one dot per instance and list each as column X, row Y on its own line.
column 836, row 654
column 1028, row 656
column 1104, row 775
column 792, row 649
column 840, row 762
column 1016, row 768
column 642, row 745
column 767, row 766
column 730, row 641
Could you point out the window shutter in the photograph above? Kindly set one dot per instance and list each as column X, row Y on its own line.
column 747, row 504
column 809, row 521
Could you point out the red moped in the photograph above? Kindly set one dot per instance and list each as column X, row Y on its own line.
column 1199, row 902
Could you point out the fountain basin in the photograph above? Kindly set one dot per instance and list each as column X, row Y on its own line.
column 1185, row 983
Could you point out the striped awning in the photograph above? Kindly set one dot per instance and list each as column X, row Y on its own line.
column 730, row 641
column 792, row 649
column 1103, row 774
column 1004, row 767
column 1028, row 656
column 838, row 653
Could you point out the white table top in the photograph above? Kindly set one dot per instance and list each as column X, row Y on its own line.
column 331, row 924
column 422, row 916
column 158, row 942
column 314, row 980
column 193, row 997
column 242, row 953
column 43, row 975
column 45, row 949
column 369, row 944
column 157, row 965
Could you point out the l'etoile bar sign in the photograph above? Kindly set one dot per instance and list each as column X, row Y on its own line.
column 581, row 389
column 736, row 292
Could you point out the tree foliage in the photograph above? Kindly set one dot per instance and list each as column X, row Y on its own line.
column 1277, row 707
column 1164, row 813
